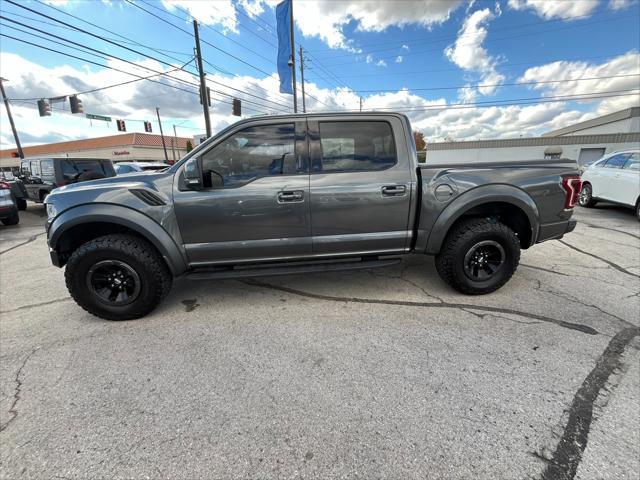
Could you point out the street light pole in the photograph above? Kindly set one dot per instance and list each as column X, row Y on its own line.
column 13, row 125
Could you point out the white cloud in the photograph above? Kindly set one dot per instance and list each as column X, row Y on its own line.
column 556, row 8
column 621, row 4
column 381, row 63
column 469, row 54
column 562, row 74
column 369, row 58
column 405, row 47
column 326, row 19
column 399, row 59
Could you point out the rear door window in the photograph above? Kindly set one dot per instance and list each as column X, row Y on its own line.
column 633, row 162
column 356, row 146
column 617, row 161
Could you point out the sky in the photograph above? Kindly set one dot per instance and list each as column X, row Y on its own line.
column 460, row 69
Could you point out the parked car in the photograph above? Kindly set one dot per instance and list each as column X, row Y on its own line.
column 614, row 178
column 41, row 175
column 8, row 207
column 131, row 167
column 302, row 193
column 17, row 187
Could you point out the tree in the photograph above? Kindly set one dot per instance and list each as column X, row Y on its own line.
column 421, row 144
column 189, row 146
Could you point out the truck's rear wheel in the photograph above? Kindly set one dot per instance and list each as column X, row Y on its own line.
column 478, row 256
column 117, row 277
column 21, row 203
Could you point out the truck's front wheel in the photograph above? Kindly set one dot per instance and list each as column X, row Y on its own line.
column 117, row 277
column 478, row 256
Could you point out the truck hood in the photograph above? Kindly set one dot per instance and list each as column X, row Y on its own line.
column 120, row 190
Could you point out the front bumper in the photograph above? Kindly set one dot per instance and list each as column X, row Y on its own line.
column 55, row 258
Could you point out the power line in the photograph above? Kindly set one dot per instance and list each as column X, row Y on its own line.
column 492, row 40
column 503, row 84
column 517, row 101
column 503, row 65
column 120, row 46
column 66, row 54
column 398, row 42
column 137, row 52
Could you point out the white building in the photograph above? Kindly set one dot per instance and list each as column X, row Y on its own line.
column 584, row 142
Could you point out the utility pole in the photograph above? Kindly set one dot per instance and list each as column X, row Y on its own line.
column 304, row 105
column 360, row 103
column 166, row 157
column 13, row 125
column 176, row 137
column 203, row 86
column 293, row 59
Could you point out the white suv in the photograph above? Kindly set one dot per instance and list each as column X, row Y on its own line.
column 614, row 178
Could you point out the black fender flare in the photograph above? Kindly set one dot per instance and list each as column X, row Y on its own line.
column 119, row 215
column 478, row 196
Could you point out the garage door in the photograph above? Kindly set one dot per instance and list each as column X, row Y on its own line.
column 589, row 155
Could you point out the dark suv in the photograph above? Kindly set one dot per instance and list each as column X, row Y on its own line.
column 41, row 175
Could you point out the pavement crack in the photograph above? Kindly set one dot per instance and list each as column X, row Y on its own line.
column 548, row 270
column 608, row 262
column 29, row 240
column 562, row 323
column 568, row 452
column 633, row 235
column 13, row 410
column 574, row 299
column 35, row 305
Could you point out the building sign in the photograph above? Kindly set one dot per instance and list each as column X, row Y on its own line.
column 120, row 152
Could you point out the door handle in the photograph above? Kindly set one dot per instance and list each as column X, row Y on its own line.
column 394, row 190
column 292, row 196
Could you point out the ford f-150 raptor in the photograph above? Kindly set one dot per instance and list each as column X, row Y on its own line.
column 302, row 193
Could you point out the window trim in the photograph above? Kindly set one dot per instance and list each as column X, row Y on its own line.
column 299, row 130
column 319, row 146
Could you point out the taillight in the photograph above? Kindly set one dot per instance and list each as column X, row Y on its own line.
column 572, row 185
column 5, row 186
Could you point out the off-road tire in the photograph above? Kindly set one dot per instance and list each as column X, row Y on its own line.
column 140, row 255
column 21, row 203
column 12, row 220
column 450, row 260
column 638, row 209
column 586, row 196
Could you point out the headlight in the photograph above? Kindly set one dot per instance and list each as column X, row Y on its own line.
column 51, row 211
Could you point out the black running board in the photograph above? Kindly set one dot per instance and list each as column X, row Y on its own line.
column 288, row 269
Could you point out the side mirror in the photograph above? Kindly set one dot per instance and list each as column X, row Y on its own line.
column 193, row 174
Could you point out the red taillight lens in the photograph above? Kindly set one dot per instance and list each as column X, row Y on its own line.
column 5, row 186
column 572, row 185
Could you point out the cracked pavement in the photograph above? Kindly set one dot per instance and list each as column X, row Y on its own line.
column 385, row 373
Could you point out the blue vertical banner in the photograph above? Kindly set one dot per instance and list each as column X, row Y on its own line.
column 283, row 19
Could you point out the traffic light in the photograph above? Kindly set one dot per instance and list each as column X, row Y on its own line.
column 237, row 107
column 121, row 126
column 44, row 109
column 147, row 127
column 76, row 104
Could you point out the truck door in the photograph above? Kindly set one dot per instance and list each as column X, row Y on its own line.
column 361, row 185
column 257, row 207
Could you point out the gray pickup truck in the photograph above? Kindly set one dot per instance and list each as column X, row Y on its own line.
column 297, row 194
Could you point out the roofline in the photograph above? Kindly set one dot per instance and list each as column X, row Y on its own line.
column 537, row 141
column 595, row 122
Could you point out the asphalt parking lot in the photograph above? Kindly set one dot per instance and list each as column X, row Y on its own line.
column 380, row 374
